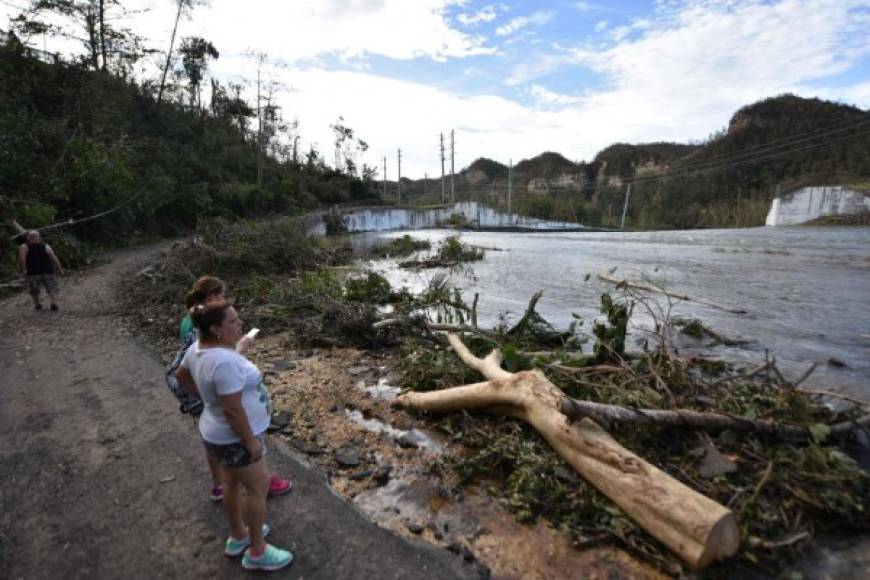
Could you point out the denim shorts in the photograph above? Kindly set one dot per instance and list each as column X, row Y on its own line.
column 49, row 281
column 232, row 454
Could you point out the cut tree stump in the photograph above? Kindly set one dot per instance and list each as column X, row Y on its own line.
column 693, row 526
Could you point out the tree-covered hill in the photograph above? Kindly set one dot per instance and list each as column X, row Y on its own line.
column 547, row 163
column 77, row 140
column 488, row 168
column 623, row 158
column 769, row 148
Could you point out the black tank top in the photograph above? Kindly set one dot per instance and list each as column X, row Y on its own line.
column 37, row 260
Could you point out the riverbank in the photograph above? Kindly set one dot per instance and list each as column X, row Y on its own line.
column 384, row 459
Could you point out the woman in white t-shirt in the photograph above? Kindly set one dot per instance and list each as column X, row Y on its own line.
column 236, row 415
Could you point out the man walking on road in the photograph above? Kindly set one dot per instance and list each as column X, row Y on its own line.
column 39, row 267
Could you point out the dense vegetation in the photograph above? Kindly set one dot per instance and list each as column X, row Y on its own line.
column 78, row 139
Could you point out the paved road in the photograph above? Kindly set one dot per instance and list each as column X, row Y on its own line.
column 101, row 477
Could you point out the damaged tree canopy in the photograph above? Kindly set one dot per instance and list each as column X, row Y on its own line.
column 451, row 253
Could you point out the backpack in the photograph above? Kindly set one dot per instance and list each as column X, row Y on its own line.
column 189, row 403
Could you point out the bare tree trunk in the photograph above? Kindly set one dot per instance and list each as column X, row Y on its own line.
column 696, row 528
column 102, row 19
column 93, row 42
column 169, row 54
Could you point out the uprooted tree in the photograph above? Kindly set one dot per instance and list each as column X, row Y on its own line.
column 696, row 528
column 693, row 526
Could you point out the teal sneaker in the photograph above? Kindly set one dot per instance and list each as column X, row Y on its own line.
column 272, row 559
column 236, row 547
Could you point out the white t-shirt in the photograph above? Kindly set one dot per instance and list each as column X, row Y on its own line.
column 222, row 371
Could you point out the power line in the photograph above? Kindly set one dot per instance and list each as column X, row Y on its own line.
column 13, row 5
column 452, row 158
column 73, row 221
column 787, row 142
column 728, row 164
column 443, row 200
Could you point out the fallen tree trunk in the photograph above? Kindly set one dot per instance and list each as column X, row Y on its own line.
column 696, row 528
column 608, row 414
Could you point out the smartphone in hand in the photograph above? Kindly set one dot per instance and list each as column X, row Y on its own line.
column 253, row 333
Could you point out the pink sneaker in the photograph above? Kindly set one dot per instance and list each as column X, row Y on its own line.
column 217, row 493
column 278, row 486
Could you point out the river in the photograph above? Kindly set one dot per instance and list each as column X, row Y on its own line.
column 806, row 290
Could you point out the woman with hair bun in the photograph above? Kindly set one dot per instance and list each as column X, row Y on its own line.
column 235, row 417
column 208, row 290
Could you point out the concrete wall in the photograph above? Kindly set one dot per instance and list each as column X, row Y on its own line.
column 810, row 203
column 386, row 219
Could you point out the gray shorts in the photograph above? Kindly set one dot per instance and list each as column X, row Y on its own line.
column 232, row 454
column 49, row 281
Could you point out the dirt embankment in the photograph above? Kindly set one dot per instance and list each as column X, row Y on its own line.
column 386, row 462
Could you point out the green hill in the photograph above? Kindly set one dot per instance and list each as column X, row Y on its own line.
column 489, row 168
column 770, row 147
column 545, row 164
column 75, row 142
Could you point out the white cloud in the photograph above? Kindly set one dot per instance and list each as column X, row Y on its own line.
column 712, row 53
column 536, row 67
column 297, row 31
column 485, row 14
column 600, row 25
column 857, row 95
column 690, row 69
column 515, row 24
column 294, row 31
column 546, row 98
column 620, row 33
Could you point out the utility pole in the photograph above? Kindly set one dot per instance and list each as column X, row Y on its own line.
column 625, row 207
column 443, row 196
column 385, row 177
column 400, row 177
column 510, row 183
column 452, row 158
column 425, row 186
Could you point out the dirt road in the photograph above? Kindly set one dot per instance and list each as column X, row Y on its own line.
column 101, row 477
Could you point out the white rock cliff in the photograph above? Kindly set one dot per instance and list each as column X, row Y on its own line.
column 810, row 203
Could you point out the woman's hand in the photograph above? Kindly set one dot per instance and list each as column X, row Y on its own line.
column 244, row 344
column 255, row 449
column 235, row 414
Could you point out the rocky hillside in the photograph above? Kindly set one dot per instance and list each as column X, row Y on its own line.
column 778, row 144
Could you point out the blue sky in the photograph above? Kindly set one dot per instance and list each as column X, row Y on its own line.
column 516, row 78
